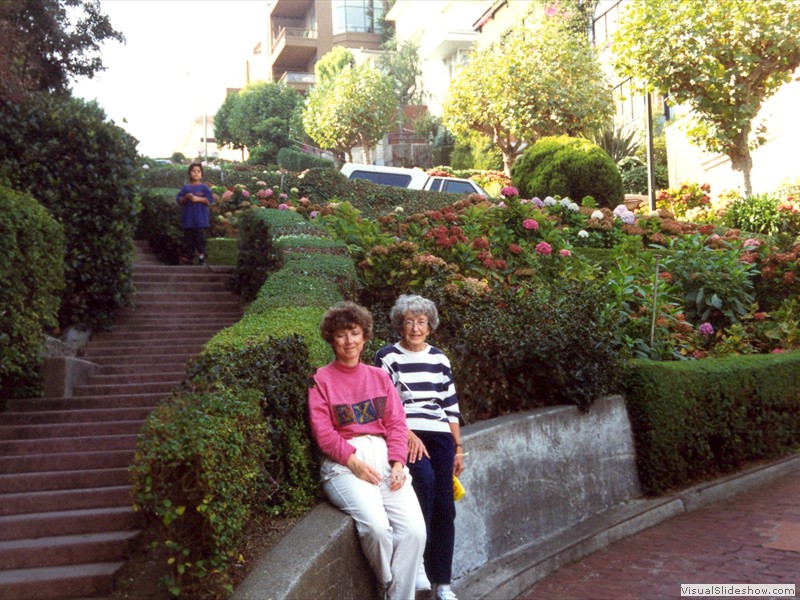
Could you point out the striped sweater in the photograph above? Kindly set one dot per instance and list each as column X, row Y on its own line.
column 424, row 382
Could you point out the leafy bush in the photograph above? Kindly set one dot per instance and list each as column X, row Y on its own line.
column 568, row 167
column 695, row 420
column 257, row 256
column 31, row 280
column 549, row 347
column 200, row 468
column 716, row 285
column 81, row 167
column 159, row 223
column 296, row 161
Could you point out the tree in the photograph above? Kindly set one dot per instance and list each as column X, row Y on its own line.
column 353, row 107
column 45, row 43
column 222, row 127
column 257, row 116
column 534, row 83
column 721, row 58
column 400, row 61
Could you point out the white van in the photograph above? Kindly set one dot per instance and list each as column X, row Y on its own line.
column 412, row 179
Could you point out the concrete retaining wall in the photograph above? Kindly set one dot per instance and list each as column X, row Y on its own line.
column 529, row 477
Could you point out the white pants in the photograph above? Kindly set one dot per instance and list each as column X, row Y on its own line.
column 390, row 524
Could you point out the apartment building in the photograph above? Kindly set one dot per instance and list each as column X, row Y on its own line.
column 300, row 32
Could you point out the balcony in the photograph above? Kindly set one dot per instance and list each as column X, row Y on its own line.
column 293, row 48
column 298, row 80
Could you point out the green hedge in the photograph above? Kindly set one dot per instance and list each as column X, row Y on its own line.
column 694, row 420
column 267, row 358
column 565, row 166
column 31, row 281
column 82, row 168
column 159, row 222
column 199, row 470
column 295, row 160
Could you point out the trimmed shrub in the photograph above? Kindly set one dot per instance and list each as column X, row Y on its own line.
column 295, row 160
column 222, row 251
column 565, row 166
column 257, row 256
column 536, row 360
column 198, row 472
column 31, row 281
column 159, row 223
column 81, row 167
column 695, row 420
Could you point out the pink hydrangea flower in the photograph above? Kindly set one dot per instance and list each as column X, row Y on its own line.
column 227, row 195
column 509, row 191
column 530, row 224
column 565, row 252
column 245, row 193
column 313, row 214
column 544, row 249
column 707, row 329
column 283, row 206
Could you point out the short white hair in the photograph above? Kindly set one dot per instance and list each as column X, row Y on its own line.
column 413, row 304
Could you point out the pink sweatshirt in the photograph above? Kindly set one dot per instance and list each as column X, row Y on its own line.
column 351, row 401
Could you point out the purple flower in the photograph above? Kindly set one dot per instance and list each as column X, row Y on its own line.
column 530, row 224
column 245, row 193
column 707, row 329
column 509, row 191
column 538, row 202
column 313, row 214
column 283, row 206
column 544, row 249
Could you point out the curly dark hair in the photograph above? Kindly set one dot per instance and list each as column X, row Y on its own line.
column 345, row 315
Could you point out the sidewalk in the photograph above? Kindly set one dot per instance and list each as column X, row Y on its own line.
column 752, row 537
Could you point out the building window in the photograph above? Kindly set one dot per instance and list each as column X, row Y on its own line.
column 358, row 16
column 455, row 61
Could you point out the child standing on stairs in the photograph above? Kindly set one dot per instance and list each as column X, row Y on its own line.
column 194, row 199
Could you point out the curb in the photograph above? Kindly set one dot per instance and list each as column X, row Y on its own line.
column 509, row 576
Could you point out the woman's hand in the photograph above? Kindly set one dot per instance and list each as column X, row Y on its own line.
column 416, row 449
column 458, row 462
column 363, row 470
column 397, row 477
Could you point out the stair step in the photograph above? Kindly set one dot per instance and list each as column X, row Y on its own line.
column 93, row 415
column 67, row 522
column 140, row 359
column 65, row 461
column 83, row 402
column 85, row 443
column 71, row 499
column 110, row 368
column 168, row 348
column 66, row 549
column 119, row 389
column 16, row 483
column 31, row 432
column 57, row 583
column 143, row 339
column 176, row 285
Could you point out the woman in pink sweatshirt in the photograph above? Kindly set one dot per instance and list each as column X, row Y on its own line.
column 359, row 424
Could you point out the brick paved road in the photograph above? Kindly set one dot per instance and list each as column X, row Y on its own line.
column 751, row 538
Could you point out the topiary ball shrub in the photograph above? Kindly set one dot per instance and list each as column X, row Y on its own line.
column 565, row 166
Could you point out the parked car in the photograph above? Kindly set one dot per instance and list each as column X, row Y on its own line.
column 412, row 179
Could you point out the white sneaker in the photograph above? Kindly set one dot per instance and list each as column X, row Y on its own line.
column 444, row 592
column 422, row 579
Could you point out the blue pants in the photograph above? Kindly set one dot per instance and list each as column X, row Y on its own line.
column 432, row 480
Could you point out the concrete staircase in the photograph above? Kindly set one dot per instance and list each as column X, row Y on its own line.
column 66, row 523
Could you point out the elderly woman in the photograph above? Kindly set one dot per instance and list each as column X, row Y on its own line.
column 359, row 424
column 424, row 381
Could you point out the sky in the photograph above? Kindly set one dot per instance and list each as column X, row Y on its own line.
column 178, row 60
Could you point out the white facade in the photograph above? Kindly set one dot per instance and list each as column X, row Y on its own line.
column 445, row 33
column 775, row 164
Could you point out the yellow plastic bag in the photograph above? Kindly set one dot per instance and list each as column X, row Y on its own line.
column 458, row 489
